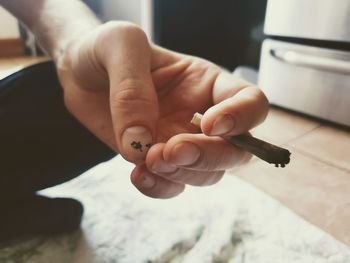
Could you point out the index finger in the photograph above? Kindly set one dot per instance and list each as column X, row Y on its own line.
column 238, row 107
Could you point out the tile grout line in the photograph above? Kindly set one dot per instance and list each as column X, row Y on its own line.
column 320, row 160
column 302, row 135
column 311, row 155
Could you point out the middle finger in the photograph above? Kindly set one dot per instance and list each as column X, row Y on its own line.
column 157, row 165
column 203, row 153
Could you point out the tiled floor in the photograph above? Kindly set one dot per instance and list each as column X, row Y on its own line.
column 316, row 184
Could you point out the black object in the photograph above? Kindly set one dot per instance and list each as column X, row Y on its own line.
column 39, row 215
column 266, row 151
column 41, row 145
column 227, row 32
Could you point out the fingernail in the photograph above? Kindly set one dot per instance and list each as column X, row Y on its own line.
column 146, row 180
column 160, row 166
column 222, row 125
column 136, row 140
column 185, row 153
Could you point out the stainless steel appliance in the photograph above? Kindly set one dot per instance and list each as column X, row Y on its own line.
column 305, row 63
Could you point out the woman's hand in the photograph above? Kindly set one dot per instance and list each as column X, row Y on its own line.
column 139, row 99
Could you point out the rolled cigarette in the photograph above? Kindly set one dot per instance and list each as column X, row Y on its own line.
column 263, row 150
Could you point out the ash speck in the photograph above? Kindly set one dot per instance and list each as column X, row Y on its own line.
column 136, row 146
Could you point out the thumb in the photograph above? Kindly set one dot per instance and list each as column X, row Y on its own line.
column 133, row 99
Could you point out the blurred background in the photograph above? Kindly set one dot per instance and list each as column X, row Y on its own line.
column 226, row 32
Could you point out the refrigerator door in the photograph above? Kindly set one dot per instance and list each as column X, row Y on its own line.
column 307, row 79
column 310, row 19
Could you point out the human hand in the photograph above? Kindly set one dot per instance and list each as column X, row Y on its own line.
column 131, row 94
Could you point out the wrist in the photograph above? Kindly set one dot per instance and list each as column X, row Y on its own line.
column 69, row 40
column 77, row 59
column 54, row 23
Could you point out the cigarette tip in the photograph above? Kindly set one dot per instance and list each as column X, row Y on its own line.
column 196, row 119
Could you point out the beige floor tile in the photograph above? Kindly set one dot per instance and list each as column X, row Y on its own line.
column 328, row 144
column 281, row 126
column 27, row 61
column 6, row 64
column 11, row 65
column 314, row 190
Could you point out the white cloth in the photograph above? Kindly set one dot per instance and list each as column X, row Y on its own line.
column 229, row 222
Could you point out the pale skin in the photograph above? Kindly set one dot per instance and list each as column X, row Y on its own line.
column 114, row 79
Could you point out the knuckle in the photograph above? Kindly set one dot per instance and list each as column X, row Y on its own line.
column 125, row 29
column 201, row 62
column 258, row 95
column 259, row 98
column 128, row 95
column 114, row 33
